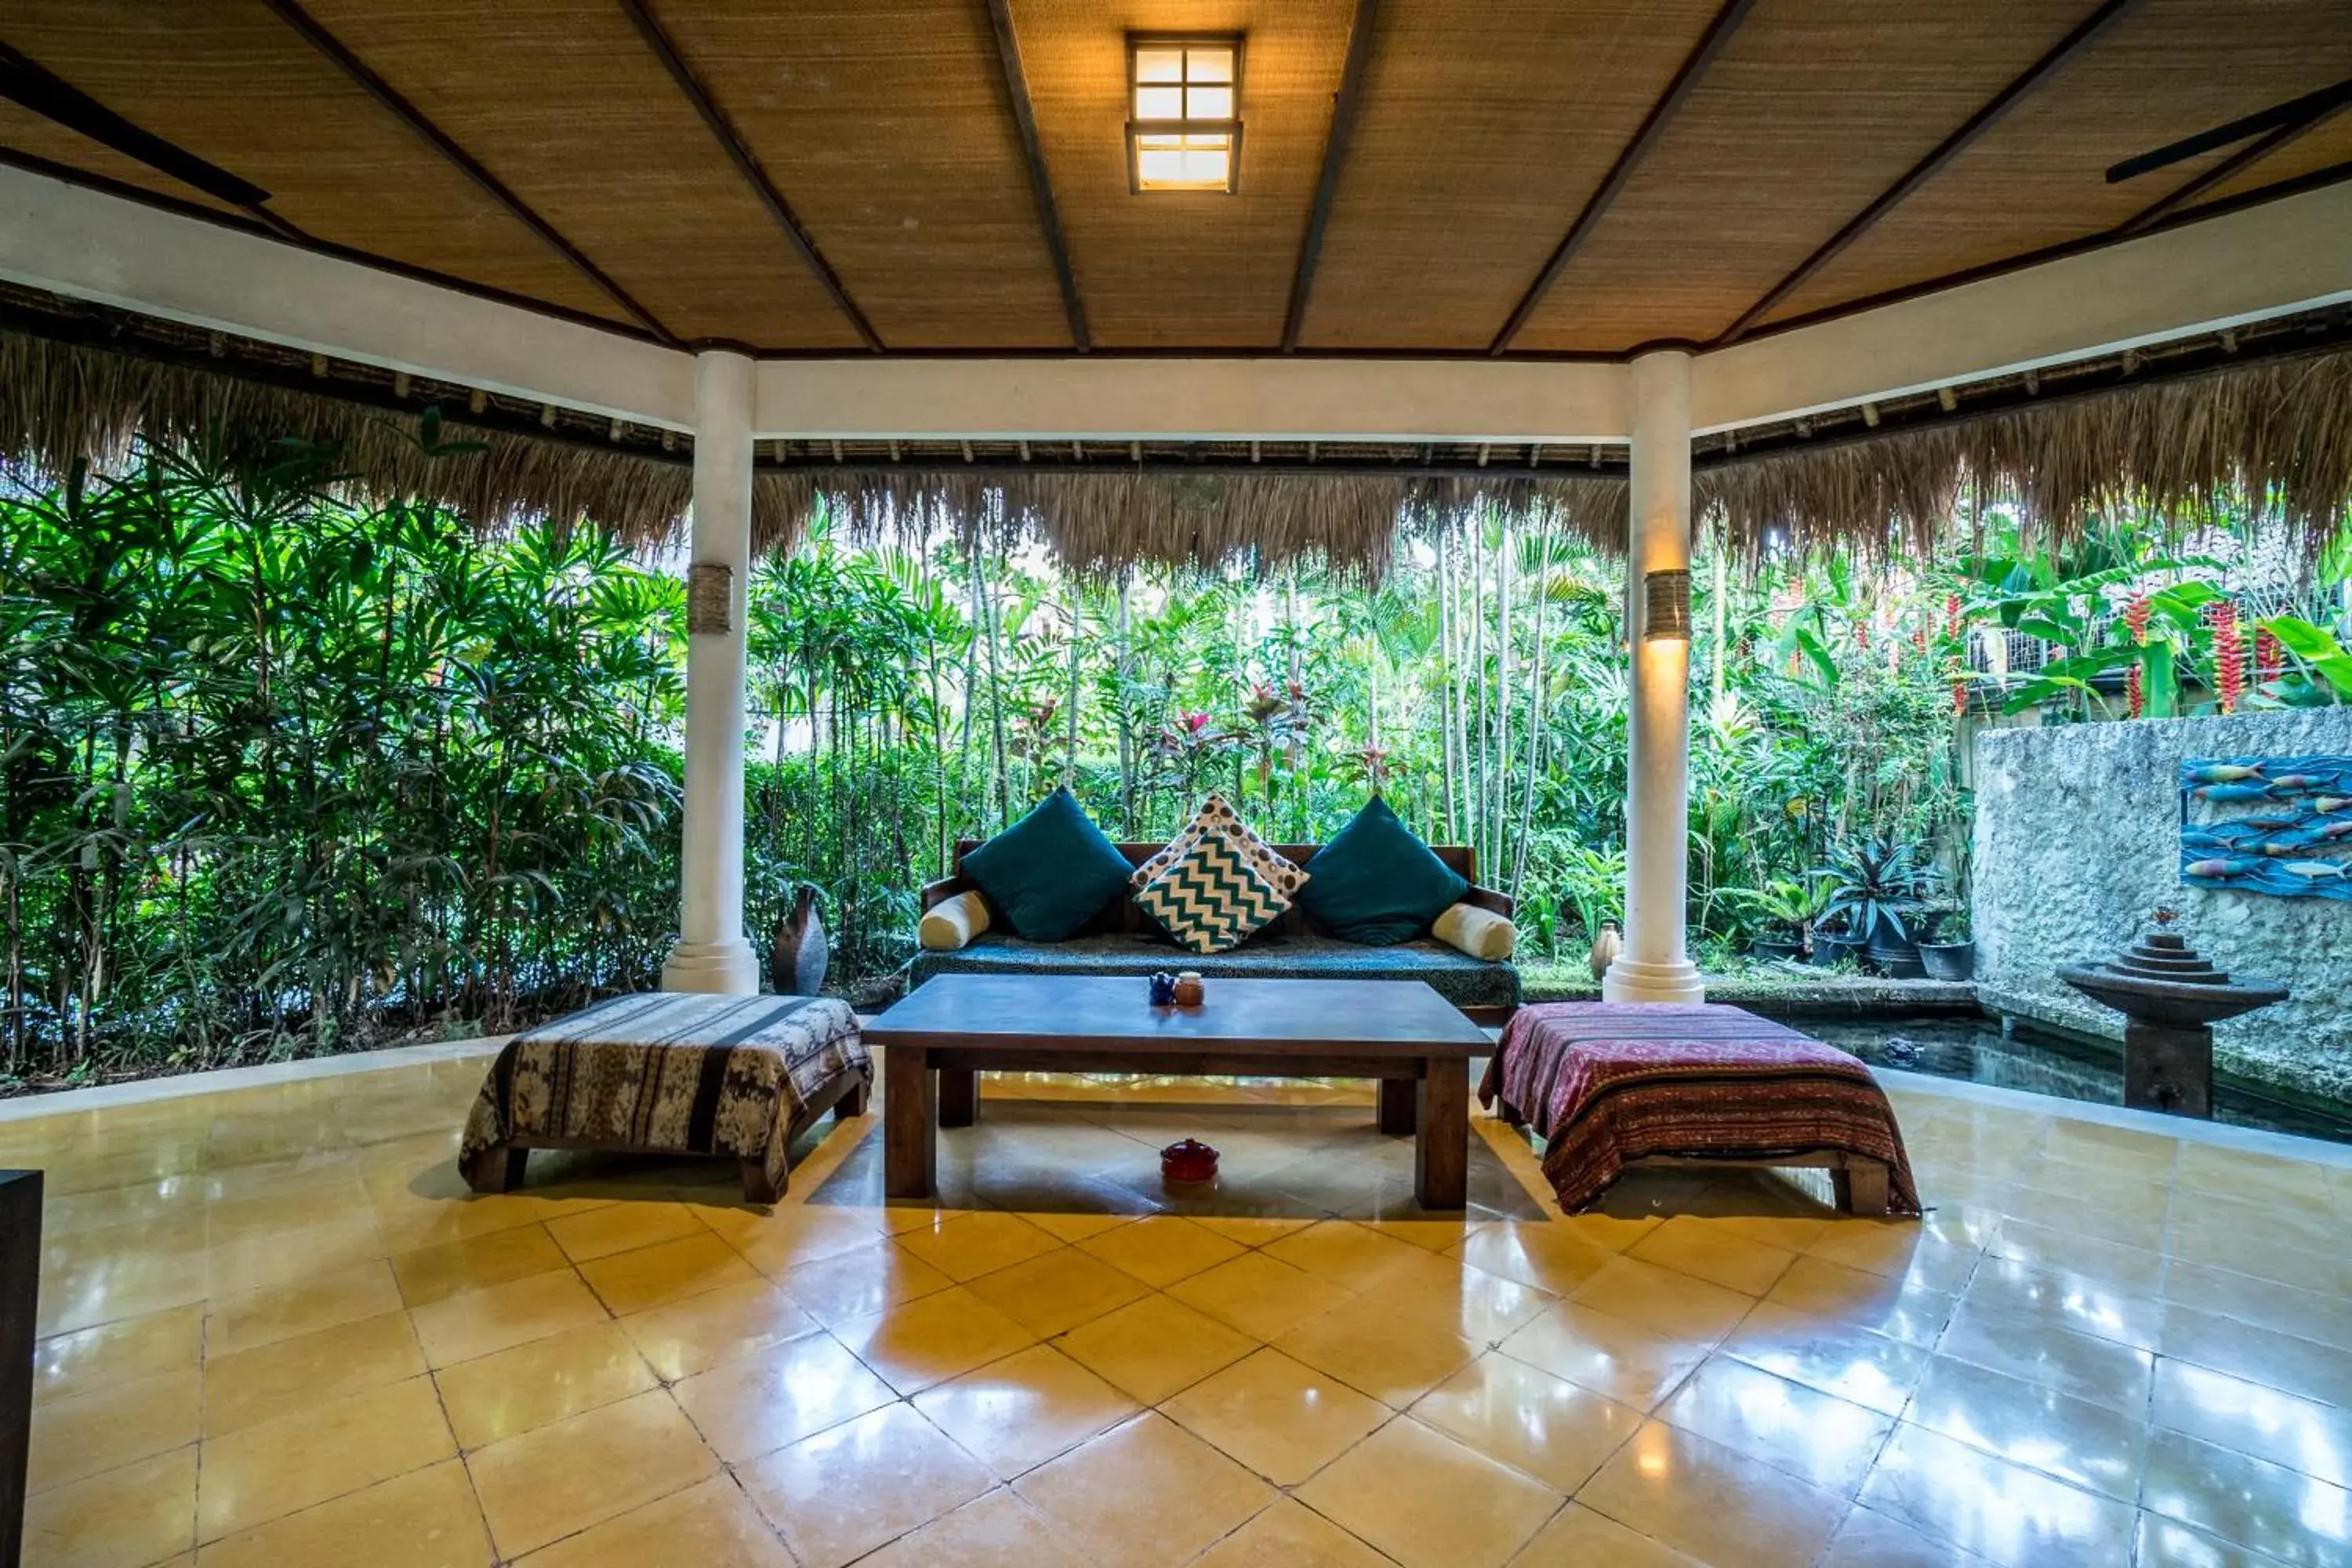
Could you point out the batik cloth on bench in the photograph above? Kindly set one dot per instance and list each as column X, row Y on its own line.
column 671, row 1073
column 1608, row 1083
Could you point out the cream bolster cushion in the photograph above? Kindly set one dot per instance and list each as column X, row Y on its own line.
column 951, row 922
column 1481, row 933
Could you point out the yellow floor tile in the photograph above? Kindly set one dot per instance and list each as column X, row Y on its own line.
column 1351, row 1255
column 933, row 1339
column 1663, row 1300
column 1161, row 1248
column 292, row 1258
column 1545, row 1256
column 241, row 1323
column 1530, row 1420
column 1952, row 1492
column 1279, row 1417
column 112, row 1354
column 840, row 1494
column 1376, row 1350
column 1711, row 1502
column 265, row 1473
column 757, row 1404
column 1289, row 1536
column 1859, row 1365
column 857, row 1284
column 482, row 1323
column 564, row 1478
column 1428, row 1501
column 1872, row 1539
column 112, row 1289
column 970, row 1245
column 518, row 1390
column 2094, row 1446
column 711, row 1524
column 1814, row 1437
column 430, row 1274
column 1579, row 1537
column 790, row 1238
column 719, row 1326
column 2056, row 1358
column 1818, row 1288
column 999, row 1531
column 1708, row 1250
column 1057, row 1291
column 427, row 1518
column 1154, row 1348
column 140, row 1514
column 1606, row 1354
column 111, row 1426
column 1449, row 1294
column 1260, row 1295
column 1144, row 1494
column 1017, row 1412
column 247, row 1387
column 622, row 1227
column 666, row 1272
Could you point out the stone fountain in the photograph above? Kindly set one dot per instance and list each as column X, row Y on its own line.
column 2171, row 998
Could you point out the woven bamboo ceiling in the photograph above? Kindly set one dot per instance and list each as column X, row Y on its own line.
column 1466, row 176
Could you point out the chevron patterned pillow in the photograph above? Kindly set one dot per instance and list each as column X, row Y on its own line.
column 1209, row 899
column 1216, row 817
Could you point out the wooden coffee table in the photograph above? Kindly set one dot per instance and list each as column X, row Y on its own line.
column 955, row 1027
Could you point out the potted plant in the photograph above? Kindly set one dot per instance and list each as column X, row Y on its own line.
column 1835, row 942
column 1949, row 951
column 1786, row 908
column 1877, row 885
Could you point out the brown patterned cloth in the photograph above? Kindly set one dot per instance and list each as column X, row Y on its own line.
column 672, row 1073
column 1607, row 1083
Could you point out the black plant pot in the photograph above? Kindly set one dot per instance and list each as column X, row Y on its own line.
column 1828, row 949
column 1948, row 960
column 1774, row 947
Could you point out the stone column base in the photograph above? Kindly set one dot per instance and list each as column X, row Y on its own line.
column 727, row 968
column 1630, row 980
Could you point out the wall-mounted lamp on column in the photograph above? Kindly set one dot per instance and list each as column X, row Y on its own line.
column 1666, row 606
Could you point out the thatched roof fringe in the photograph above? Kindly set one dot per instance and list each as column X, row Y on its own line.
column 2281, row 429
column 1105, row 520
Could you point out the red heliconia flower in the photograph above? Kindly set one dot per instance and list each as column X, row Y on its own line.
column 1919, row 640
column 2268, row 658
column 1951, row 615
column 2228, row 654
column 1960, row 699
column 1862, row 635
column 2135, row 616
column 2136, row 691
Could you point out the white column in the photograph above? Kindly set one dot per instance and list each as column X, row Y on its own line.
column 712, row 954
column 1655, row 965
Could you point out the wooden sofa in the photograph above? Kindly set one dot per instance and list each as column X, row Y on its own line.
column 1123, row 939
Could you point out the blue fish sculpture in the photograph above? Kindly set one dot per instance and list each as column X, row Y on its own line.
column 2233, row 791
column 2299, row 783
column 2224, row 773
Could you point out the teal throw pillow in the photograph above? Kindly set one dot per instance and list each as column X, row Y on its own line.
column 1051, row 873
column 1375, row 883
column 1211, row 899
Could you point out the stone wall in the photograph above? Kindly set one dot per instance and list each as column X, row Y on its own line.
column 2078, row 840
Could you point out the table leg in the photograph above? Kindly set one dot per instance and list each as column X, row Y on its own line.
column 1400, row 1105
column 1860, row 1186
column 1442, row 1151
column 958, row 1096
column 910, row 1123
column 20, row 1268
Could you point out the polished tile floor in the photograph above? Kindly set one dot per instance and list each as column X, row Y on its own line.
column 277, row 1331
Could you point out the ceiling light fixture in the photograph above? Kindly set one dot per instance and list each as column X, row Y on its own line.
column 1184, row 132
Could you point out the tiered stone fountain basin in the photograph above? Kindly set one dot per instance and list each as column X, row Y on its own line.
column 2171, row 998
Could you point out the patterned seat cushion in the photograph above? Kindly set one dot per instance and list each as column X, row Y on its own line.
column 1462, row 979
column 1208, row 898
column 670, row 1072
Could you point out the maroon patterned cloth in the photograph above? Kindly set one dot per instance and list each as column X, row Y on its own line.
column 1607, row 1083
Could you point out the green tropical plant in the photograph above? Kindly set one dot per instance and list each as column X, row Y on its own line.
column 1877, row 885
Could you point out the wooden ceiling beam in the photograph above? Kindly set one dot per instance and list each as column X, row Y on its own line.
column 1335, row 157
column 1919, row 174
column 2228, row 169
column 28, row 83
column 316, row 35
column 1041, row 183
column 747, row 164
column 1621, row 173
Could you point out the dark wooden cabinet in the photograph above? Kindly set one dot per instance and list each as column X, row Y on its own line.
column 20, row 1279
